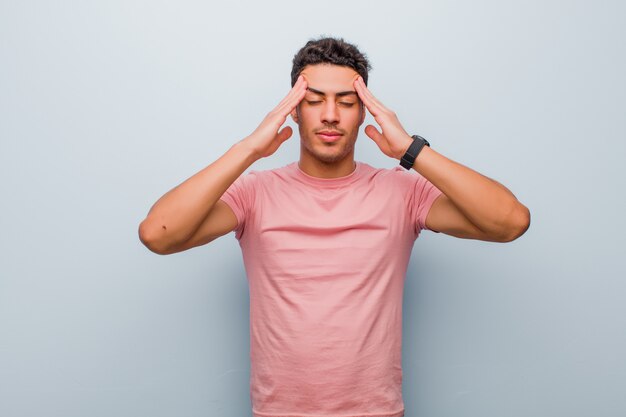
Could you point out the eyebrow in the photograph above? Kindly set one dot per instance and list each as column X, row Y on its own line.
column 340, row 94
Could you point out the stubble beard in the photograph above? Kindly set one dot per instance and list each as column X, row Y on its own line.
column 308, row 141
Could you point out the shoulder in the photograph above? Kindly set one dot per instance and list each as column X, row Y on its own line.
column 394, row 175
column 272, row 174
column 254, row 179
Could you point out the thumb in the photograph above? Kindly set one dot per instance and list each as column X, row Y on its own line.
column 374, row 134
column 284, row 134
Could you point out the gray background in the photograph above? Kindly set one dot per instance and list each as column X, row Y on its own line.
column 105, row 106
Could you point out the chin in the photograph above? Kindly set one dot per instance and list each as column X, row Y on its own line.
column 331, row 157
column 326, row 153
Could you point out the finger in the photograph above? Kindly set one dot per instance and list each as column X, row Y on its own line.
column 373, row 105
column 361, row 93
column 292, row 100
column 370, row 95
column 377, row 137
column 278, row 140
column 278, row 116
column 295, row 90
column 374, row 134
column 295, row 87
column 284, row 134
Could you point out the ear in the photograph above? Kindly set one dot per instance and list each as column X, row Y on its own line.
column 362, row 114
column 294, row 115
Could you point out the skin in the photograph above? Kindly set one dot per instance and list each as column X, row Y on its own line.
column 472, row 205
column 330, row 103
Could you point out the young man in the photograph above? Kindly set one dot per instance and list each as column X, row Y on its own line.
column 326, row 240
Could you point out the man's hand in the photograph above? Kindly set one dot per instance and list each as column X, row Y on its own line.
column 394, row 140
column 266, row 138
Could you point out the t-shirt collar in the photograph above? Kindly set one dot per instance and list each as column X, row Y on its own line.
column 326, row 182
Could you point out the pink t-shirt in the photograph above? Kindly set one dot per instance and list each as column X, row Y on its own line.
column 326, row 261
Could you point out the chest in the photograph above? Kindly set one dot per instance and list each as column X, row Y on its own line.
column 317, row 234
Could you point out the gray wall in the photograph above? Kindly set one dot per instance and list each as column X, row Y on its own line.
column 105, row 106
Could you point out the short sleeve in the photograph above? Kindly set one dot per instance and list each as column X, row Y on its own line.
column 240, row 198
column 424, row 195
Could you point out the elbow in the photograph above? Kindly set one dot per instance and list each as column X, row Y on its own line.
column 148, row 238
column 518, row 223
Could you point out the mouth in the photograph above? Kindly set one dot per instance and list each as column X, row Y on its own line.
column 329, row 136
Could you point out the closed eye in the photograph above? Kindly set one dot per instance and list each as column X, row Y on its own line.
column 343, row 103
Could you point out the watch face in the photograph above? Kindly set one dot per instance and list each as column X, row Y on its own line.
column 419, row 137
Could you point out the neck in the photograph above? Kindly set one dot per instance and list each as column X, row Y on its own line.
column 316, row 168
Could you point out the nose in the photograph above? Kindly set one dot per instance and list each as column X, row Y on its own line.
column 330, row 113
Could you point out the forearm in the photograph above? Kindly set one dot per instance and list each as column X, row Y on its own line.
column 179, row 213
column 486, row 203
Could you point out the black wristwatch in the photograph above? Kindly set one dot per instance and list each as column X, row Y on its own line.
column 408, row 159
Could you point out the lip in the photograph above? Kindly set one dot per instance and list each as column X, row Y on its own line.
column 327, row 136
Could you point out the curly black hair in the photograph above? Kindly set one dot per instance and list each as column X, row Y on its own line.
column 327, row 50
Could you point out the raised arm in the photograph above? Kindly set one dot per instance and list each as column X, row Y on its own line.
column 189, row 214
column 472, row 205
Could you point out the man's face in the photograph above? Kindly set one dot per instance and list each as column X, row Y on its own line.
column 330, row 105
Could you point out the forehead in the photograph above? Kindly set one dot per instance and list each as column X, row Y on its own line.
column 329, row 78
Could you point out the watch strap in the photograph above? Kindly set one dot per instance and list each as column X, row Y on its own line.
column 408, row 159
